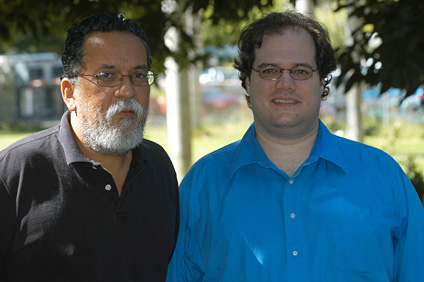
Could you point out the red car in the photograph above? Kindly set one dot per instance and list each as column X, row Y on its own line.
column 214, row 98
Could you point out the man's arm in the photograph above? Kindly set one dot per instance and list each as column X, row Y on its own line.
column 7, row 224
column 410, row 247
column 182, row 266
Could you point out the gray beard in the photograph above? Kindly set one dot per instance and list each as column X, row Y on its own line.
column 100, row 135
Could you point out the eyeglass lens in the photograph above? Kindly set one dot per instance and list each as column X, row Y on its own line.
column 297, row 72
column 138, row 78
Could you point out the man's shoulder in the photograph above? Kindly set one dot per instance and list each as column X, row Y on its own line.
column 152, row 148
column 152, row 151
column 356, row 146
column 222, row 154
column 354, row 151
column 151, row 145
column 31, row 155
column 217, row 163
column 31, row 144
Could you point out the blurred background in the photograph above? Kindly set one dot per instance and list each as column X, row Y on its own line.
column 197, row 104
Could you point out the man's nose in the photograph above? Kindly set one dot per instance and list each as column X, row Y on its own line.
column 285, row 81
column 126, row 88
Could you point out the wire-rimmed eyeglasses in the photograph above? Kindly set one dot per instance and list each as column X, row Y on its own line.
column 274, row 72
column 115, row 78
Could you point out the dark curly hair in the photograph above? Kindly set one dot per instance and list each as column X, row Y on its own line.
column 274, row 23
column 73, row 56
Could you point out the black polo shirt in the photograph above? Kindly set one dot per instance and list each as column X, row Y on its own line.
column 61, row 218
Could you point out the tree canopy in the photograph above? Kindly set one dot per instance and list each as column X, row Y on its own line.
column 387, row 45
column 23, row 22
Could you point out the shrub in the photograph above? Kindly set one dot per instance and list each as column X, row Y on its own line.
column 415, row 175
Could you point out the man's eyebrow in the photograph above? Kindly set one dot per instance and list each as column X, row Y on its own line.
column 111, row 67
column 141, row 67
column 107, row 66
column 266, row 64
column 294, row 65
column 303, row 65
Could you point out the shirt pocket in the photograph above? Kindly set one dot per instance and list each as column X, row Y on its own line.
column 353, row 242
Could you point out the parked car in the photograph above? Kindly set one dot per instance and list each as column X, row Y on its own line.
column 214, row 98
column 219, row 75
column 414, row 102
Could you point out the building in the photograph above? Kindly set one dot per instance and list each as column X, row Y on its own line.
column 30, row 88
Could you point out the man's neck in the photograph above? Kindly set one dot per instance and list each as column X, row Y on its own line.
column 117, row 165
column 287, row 154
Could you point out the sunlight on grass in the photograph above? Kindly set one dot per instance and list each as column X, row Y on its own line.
column 399, row 140
column 8, row 138
column 213, row 133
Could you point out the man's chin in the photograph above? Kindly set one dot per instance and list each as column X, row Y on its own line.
column 129, row 124
column 119, row 150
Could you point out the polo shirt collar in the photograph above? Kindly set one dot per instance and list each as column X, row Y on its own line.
column 249, row 150
column 73, row 153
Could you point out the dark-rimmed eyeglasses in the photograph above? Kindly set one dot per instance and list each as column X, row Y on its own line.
column 274, row 72
column 115, row 78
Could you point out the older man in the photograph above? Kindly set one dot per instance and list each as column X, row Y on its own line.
column 90, row 200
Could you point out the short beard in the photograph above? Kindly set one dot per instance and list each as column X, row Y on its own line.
column 100, row 135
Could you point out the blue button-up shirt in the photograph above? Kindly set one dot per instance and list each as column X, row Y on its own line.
column 349, row 213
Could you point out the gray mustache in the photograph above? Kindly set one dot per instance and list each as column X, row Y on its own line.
column 127, row 105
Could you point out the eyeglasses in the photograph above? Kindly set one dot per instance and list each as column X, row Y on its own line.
column 115, row 78
column 273, row 72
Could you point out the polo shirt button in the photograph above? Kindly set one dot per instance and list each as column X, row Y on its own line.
column 295, row 253
column 292, row 216
column 291, row 181
column 108, row 187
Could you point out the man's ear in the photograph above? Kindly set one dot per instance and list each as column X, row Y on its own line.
column 68, row 89
column 247, row 81
column 322, row 85
column 323, row 82
column 247, row 84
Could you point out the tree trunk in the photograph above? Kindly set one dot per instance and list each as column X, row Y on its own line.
column 353, row 114
column 177, row 109
column 178, row 116
column 353, row 97
column 306, row 7
column 193, row 28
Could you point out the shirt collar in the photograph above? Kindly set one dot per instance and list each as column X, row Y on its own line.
column 326, row 147
column 66, row 138
column 249, row 152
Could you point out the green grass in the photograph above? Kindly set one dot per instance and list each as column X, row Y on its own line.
column 7, row 138
column 404, row 142
column 399, row 140
column 212, row 134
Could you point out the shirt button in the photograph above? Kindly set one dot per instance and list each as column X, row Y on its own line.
column 291, row 181
column 292, row 215
column 108, row 187
column 295, row 253
column 94, row 167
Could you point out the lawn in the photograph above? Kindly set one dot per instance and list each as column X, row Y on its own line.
column 7, row 138
column 399, row 140
column 211, row 135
